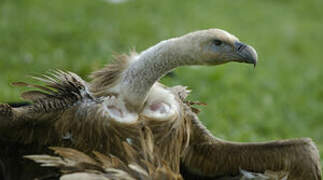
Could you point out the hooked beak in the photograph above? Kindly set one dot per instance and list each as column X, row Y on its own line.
column 246, row 53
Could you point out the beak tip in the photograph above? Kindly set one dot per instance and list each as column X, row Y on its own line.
column 247, row 53
column 254, row 62
column 253, row 56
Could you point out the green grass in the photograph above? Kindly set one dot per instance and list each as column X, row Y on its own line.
column 281, row 98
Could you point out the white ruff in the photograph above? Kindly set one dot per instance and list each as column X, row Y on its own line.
column 161, row 104
column 116, row 110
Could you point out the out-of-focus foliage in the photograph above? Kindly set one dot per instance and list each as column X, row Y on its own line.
column 281, row 98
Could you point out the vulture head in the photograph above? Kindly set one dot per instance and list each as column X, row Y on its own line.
column 215, row 46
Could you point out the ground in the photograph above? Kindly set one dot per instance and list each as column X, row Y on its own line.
column 281, row 98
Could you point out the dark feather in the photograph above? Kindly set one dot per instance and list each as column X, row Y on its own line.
column 140, row 162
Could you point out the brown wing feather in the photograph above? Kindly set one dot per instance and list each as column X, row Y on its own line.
column 34, row 95
column 139, row 162
column 23, row 84
column 211, row 157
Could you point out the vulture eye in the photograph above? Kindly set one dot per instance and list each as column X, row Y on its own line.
column 217, row 42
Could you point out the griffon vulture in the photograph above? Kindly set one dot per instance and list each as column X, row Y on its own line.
column 122, row 97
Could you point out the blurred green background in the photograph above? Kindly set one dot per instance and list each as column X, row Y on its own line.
column 281, row 98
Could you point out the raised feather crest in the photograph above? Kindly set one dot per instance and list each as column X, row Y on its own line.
column 61, row 89
column 107, row 77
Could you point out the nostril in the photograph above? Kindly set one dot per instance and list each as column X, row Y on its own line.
column 240, row 46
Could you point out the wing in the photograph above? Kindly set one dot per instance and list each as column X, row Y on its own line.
column 208, row 157
column 64, row 94
column 30, row 129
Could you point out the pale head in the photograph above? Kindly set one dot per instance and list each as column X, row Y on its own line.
column 215, row 46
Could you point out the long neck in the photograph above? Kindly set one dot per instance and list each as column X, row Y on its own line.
column 149, row 67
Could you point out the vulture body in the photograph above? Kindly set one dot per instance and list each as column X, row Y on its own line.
column 125, row 97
